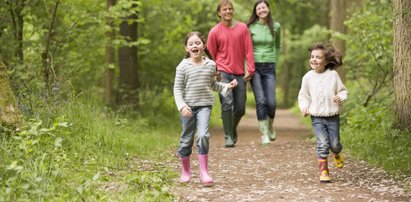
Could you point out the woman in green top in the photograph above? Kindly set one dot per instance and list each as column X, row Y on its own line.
column 266, row 36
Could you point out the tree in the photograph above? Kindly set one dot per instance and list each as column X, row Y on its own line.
column 109, row 93
column 16, row 9
column 402, row 62
column 128, row 81
column 9, row 111
column 337, row 16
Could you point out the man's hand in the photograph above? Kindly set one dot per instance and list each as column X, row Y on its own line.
column 247, row 76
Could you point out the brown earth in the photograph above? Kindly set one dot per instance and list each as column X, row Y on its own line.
column 286, row 170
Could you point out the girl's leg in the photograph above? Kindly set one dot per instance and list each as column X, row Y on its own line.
column 321, row 132
column 187, row 136
column 203, row 119
column 335, row 144
column 333, row 126
column 185, row 147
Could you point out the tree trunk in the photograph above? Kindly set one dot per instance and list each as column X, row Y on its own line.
column 337, row 15
column 16, row 9
column 286, row 71
column 109, row 95
column 402, row 62
column 49, row 73
column 9, row 111
column 128, row 81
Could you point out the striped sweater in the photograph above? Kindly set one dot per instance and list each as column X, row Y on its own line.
column 193, row 84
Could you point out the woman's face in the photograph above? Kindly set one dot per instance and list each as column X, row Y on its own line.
column 317, row 60
column 262, row 10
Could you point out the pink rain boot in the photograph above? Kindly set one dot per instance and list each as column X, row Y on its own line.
column 186, row 170
column 203, row 164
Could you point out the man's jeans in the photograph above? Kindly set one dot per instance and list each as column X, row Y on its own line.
column 263, row 84
column 198, row 122
column 327, row 130
column 234, row 101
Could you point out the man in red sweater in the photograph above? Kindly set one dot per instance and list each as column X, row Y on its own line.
column 230, row 45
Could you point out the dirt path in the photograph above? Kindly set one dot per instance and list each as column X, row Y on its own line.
column 286, row 170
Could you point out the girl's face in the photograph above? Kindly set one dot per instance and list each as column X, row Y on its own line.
column 317, row 60
column 261, row 10
column 226, row 12
column 194, row 46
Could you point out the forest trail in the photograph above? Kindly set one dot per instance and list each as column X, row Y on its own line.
column 286, row 170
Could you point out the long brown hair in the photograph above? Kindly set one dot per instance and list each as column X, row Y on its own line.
column 253, row 18
column 332, row 55
column 202, row 38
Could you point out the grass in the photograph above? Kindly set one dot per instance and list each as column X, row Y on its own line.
column 88, row 154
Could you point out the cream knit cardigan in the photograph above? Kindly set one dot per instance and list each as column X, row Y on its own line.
column 317, row 93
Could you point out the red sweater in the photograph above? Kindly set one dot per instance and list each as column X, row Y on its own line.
column 229, row 47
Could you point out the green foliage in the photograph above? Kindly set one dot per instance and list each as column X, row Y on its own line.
column 368, row 131
column 74, row 157
column 369, row 55
column 369, row 134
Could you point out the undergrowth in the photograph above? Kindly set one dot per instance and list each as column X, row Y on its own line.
column 87, row 153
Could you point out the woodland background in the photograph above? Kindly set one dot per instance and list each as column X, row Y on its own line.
column 86, row 100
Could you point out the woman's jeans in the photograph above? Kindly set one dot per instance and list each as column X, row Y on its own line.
column 263, row 84
column 327, row 130
column 199, row 122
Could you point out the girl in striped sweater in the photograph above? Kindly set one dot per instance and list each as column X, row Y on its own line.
column 193, row 85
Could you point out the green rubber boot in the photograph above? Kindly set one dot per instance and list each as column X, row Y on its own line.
column 237, row 120
column 228, row 125
column 271, row 132
column 264, row 132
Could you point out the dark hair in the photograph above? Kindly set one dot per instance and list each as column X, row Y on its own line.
column 202, row 38
column 222, row 3
column 332, row 55
column 254, row 17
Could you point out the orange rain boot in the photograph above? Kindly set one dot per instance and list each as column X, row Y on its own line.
column 324, row 172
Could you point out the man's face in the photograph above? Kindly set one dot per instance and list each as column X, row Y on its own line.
column 226, row 12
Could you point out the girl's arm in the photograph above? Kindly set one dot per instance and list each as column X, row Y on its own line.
column 179, row 89
column 342, row 92
column 304, row 98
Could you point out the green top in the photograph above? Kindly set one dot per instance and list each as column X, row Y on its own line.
column 266, row 48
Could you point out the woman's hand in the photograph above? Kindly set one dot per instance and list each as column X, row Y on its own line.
column 186, row 112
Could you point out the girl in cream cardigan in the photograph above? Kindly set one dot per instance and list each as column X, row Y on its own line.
column 321, row 96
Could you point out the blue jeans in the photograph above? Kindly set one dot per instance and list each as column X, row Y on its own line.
column 263, row 84
column 327, row 130
column 234, row 101
column 199, row 123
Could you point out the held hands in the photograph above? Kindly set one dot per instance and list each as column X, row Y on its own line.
column 232, row 84
column 186, row 111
